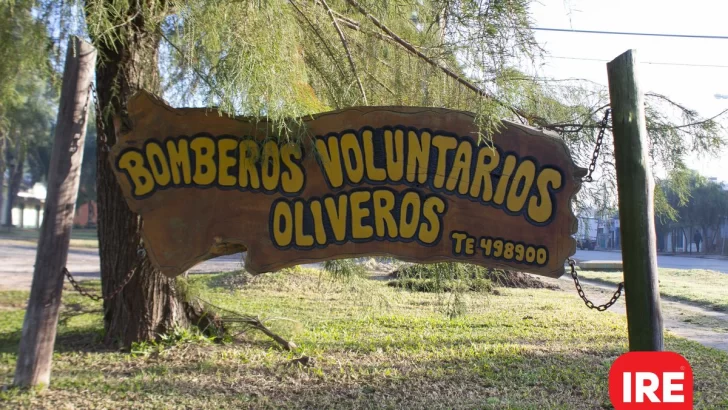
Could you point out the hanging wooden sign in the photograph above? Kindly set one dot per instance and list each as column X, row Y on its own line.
column 406, row 182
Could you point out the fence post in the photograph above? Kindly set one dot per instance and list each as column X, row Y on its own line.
column 41, row 318
column 636, row 205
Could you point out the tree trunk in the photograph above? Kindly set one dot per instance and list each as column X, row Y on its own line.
column 148, row 305
column 2, row 169
column 16, row 178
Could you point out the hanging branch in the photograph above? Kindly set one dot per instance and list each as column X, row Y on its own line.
column 409, row 47
column 199, row 74
column 318, row 34
column 348, row 52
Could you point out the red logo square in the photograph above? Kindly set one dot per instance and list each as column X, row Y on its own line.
column 651, row 380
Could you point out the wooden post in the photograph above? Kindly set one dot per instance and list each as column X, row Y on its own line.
column 37, row 217
column 636, row 205
column 21, row 214
column 39, row 329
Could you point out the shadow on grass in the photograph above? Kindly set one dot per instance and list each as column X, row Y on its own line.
column 492, row 378
column 673, row 298
column 86, row 340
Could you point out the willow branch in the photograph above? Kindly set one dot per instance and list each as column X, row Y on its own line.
column 318, row 34
column 720, row 114
column 348, row 52
column 409, row 47
column 191, row 66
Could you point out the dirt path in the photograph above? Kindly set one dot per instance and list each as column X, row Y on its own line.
column 707, row 327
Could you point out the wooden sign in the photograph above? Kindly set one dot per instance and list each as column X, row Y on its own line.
column 406, row 182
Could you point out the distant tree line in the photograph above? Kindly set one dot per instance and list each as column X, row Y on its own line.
column 694, row 207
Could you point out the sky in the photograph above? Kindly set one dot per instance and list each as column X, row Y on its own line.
column 693, row 86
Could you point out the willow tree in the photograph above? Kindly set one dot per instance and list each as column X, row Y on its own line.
column 24, row 65
column 280, row 59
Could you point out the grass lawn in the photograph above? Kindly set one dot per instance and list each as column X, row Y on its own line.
column 372, row 346
column 703, row 287
column 80, row 238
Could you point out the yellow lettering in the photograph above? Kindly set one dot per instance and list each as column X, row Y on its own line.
column 247, row 171
column 331, row 160
column 318, row 221
column 358, row 229
column 506, row 174
column 350, row 145
column 337, row 217
column 292, row 180
column 271, row 167
column 408, row 226
column 205, row 170
column 482, row 173
column 430, row 230
column 384, row 221
column 394, row 147
column 179, row 159
column 373, row 173
column 526, row 172
column 461, row 169
column 158, row 163
column 418, row 156
column 302, row 239
column 540, row 206
column 225, row 161
column 443, row 145
column 282, row 224
column 141, row 179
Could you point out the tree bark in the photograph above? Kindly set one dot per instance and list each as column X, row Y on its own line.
column 41, row 318
column 149, row 304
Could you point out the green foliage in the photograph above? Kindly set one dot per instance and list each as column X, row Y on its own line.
column 175, row 339
column 23, row 54
column 443, row 271
column 288, row 59
column 434, row 285
column 686, row 201
column 344, row 268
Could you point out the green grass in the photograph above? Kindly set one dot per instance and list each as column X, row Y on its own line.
column 373, row 346
column 80, row 238
column 702, row 287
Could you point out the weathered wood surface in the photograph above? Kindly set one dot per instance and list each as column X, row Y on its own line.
column 636, row 205
column 41, row 318
column 196, row 214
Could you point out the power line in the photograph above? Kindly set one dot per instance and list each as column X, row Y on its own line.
column 643, row 62
column 626, row 33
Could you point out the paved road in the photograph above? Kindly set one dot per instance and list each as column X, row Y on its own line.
column 663, row 261
column 17, row 259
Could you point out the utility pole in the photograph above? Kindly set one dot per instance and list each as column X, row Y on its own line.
column 41, row 318
column 636, row 205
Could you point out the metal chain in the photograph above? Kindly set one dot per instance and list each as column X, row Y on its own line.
column 141, row 253
column 598, row 147
column 99, row 120
column 588, row 302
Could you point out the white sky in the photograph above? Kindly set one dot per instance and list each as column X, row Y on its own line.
column 694, row 87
